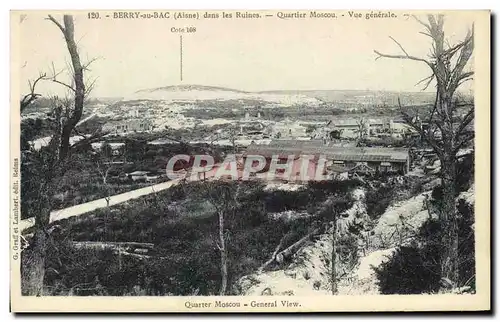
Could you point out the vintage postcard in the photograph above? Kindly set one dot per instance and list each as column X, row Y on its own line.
column 250, row 161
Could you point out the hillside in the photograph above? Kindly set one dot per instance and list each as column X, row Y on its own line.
column 194, row 93
column 368, row 97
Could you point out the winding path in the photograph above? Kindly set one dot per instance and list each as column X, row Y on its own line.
column 99, row 203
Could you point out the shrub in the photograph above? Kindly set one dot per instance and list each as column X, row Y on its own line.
column 378, row 200
column 466, row 245
column 280, row 200
column 465, row 176
column 465, row 172
column 409, row 271
column 416, row 269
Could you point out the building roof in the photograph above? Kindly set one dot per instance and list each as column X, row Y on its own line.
column 317, row 148
column 295, row 143
column 343, row 122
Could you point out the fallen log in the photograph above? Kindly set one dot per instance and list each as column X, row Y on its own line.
column 273, row 256
column 112, row 245
column 140, row 256
column 287, row 253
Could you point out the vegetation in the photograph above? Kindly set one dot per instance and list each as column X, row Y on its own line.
column 51, row 160
column 415, row 269
column 180, row 222
column 378, row 199
column 450, row 68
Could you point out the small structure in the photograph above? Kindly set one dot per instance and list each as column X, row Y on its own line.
column 117, row 148
column 128, row 126
column 135, row 113
column 347, row 128
column 353, row 128
column 288, row 129
column 399, row 126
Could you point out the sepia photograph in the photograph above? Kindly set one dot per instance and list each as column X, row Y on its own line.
column 250, row 160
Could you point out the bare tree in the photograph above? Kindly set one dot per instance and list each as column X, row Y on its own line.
column 224, row 197
column 104, row 161
column 448, row 131
column 65, row 115
column 77, row 87
column 362, row 129
column 333, row 211
column 233, row 133
column 334, row 253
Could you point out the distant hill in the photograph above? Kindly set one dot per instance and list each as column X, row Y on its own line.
column 196, row 93
column 187, row 88
column 360, row 96
column 193, row 92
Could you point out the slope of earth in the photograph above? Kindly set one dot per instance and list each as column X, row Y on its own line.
column 200, row 93
column 310, row 271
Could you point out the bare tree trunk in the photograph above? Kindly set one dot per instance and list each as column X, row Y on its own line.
column 273, row 256
column 288, row 252
column 449, row 259
column 33, row 269
column 33, row 266
column 68, row 30
column 223, row 254
column 334, row 256
column 79, row 89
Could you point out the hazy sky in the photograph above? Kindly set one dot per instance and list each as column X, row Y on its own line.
column 247, row 54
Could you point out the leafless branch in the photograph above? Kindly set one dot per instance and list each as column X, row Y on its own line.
column 466, row 120
column 425, row 34
column 466, row 75
column 399, row 45
column 464, row 80
column 427, row 26
column 425, row 135
column 466, row 138
column 90, row 86
column 434, row 109
column 54, row 79
column 466, row 49
column 380, row 55
column 54, row 20
column 429, row 79
column 90, row 62
column 64, row 84
column 96, row 136
column 452, row 50
column 31, row 96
